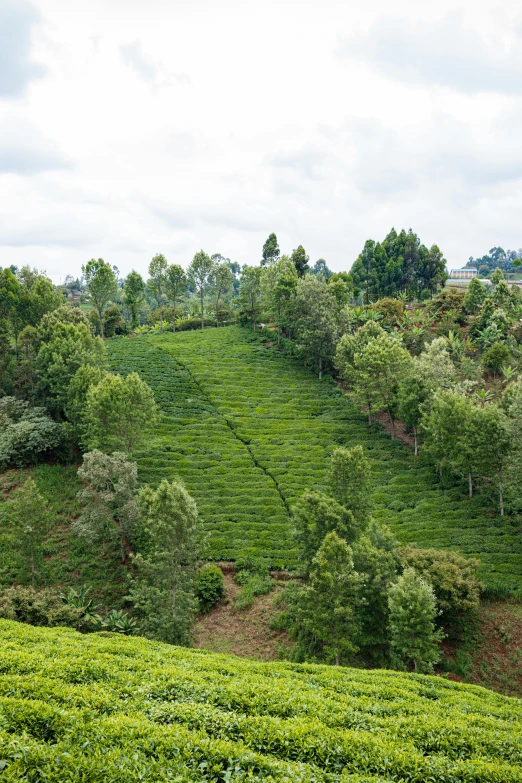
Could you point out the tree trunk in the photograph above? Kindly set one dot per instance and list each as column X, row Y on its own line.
column 100, row 316
column 416, row 444
column 202, row 311
column 501, row 493
column 174, row 324
column 440, row 472
column 122, row 549
column 470, row 483
column 320, row 367
column 392, row 423
column 278, row 335
column 217, row 317
column 161, row 315
column 337, row 660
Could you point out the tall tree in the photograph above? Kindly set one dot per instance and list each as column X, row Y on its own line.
column 66, row 344
column 163, row 589
column 222, row 280
column 350, row 482
column 108, row 499
column 328, row 605
column 380, row 366
column 314, row 515
column 300, row 260
column 317, row 323
column 198, row 274
column 413, row 609
column 176, row 286
column 278, row 288
column 250, row 293
column 134, row 296
column 157, row 281
column 102, row 285
column 117, row 412
column 270, row 250
column 32, row 525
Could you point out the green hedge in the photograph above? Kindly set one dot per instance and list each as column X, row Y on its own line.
column 107, row 708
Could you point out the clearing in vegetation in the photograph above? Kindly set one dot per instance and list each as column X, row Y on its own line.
column 248, row 429
column 103, row 707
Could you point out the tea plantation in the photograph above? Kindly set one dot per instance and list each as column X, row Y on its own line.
column 248, row 430
column 108, row 708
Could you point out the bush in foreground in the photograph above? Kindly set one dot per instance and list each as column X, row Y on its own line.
column 105, row 707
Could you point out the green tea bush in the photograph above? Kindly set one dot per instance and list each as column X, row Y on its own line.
column 248, row 429
column 38, row 607
column 209, row 586
column 112, row 708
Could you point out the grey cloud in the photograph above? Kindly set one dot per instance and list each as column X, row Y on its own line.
column 17, row 69
column 133, row 56
column 311, row 162
column 234, row 216
column 24, row 151
column 55, row 230
column 387, row 163
column 445, row 53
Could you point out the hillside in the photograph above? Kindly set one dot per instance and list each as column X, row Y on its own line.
column 248, row 429
column 103, row 708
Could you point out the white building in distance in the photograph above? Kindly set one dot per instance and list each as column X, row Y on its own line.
column 464, row 274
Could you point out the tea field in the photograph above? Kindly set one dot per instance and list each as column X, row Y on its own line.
column 248, row 429
column 103, row 707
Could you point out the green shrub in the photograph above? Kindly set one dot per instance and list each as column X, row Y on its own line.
column 28, row 435
column 454, row 579
column 495, row 357
column 100, row 708
column 209, row 587
column 38, row 607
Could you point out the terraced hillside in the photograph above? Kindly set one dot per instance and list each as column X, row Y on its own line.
column 106, row 708
column 248, row 429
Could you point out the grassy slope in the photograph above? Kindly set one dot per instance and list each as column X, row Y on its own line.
column 68, row 560
column 103, row 708
column 248, row 429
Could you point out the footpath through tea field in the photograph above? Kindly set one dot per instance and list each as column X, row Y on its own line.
column 248, row 429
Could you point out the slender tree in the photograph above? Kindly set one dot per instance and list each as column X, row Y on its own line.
column 176, row 286
column 158, row 280
column 102, row 286
column 350, row 482
column 413, row 609
column 270, row 250
column 328, row 605
column 250, row 293
column 314, row 515
column 222, row 280
column 134, row 296
column 198, row 274
column 163, row 588
column 108, row 499
column 300, row 260
column 32, row 524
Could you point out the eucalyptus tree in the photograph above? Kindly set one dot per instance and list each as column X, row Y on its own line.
column 134, row 296
column 158, row 281
column 199, row 273
column 176, row 285
column 102, row 285
column 222, row 281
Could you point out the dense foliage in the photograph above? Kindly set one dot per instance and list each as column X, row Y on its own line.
column 107, row 708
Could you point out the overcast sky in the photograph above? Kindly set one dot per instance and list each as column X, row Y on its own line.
column 132, row 127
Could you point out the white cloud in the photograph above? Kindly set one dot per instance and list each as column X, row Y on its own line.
column 417, row 124
column 25, row 151
column 17, row 67
column 446, row 52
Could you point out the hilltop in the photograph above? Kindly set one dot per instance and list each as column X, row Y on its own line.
column 102, row 707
